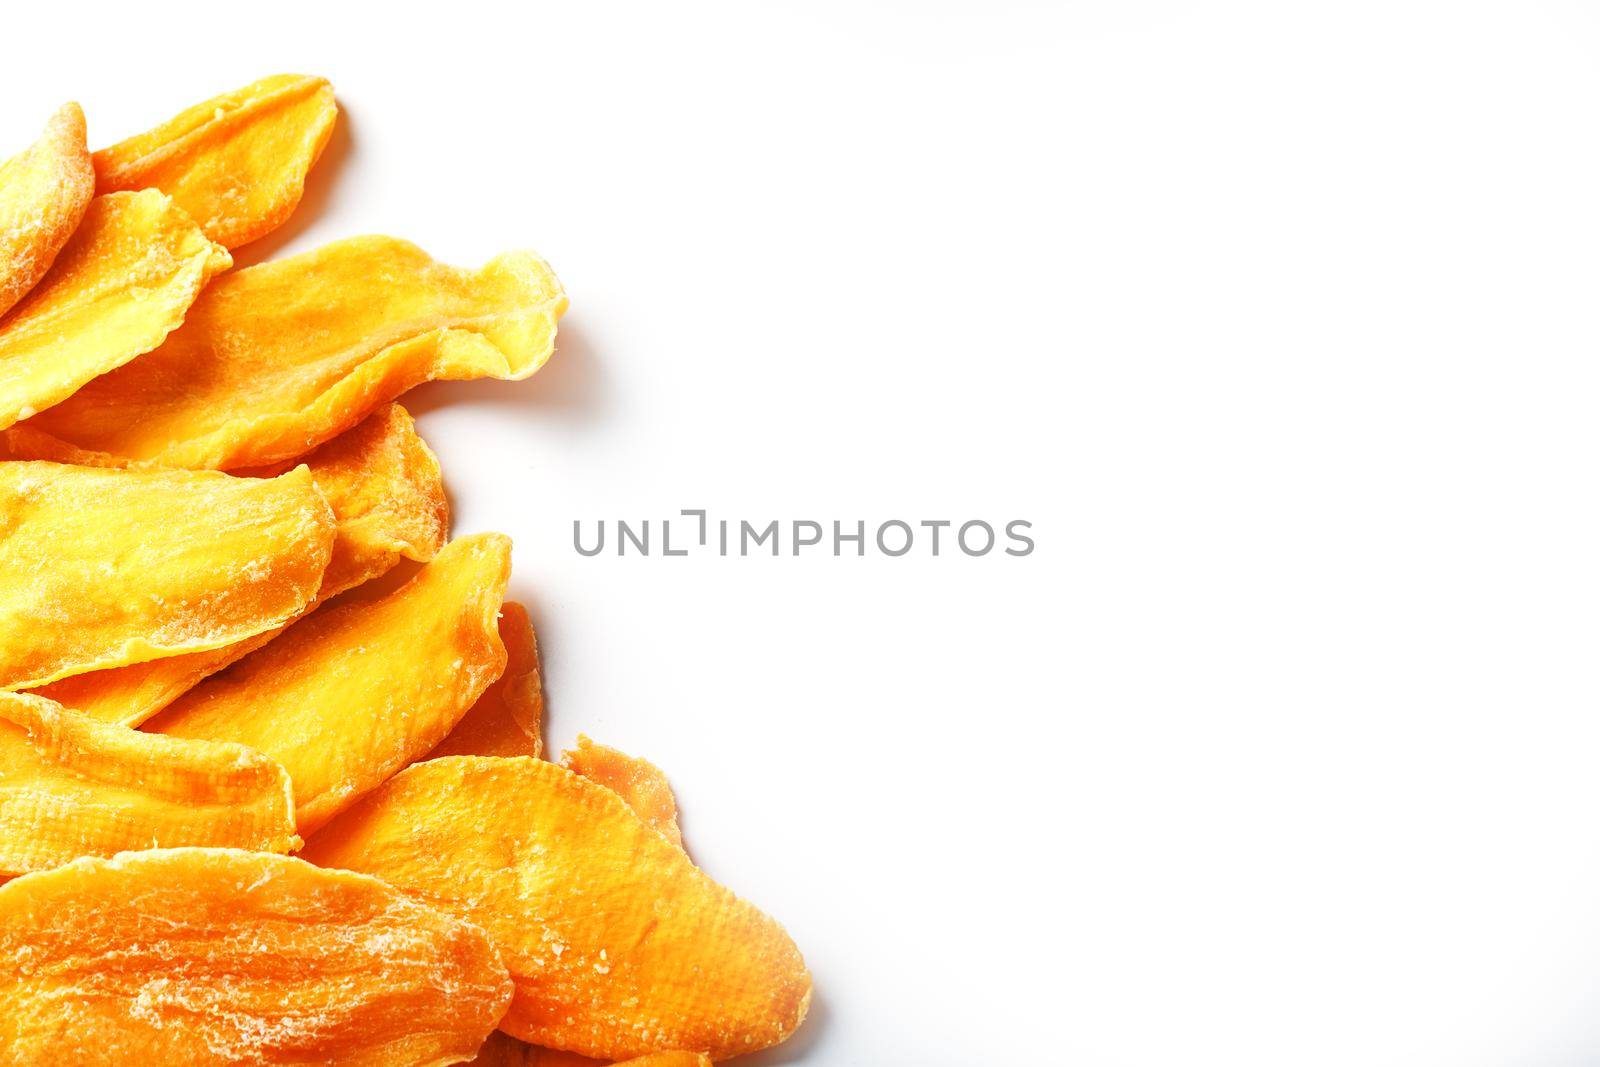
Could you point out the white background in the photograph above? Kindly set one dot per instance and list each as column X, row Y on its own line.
column 1277, row 320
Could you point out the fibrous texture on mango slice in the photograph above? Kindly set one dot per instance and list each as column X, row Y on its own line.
column 237, row 163
column 507, row 719
column 638, row 782
column 101, row 568
column 121, row 284
column 355, row 691
column 71, row 786
column 384, row 487
column 43, row 194
column 219, row 956
column 618, row 945
column 276, row 359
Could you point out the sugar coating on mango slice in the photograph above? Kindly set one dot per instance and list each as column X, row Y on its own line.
column 236, row 163
column 638, row 782
column 275, row 359
column 122, row 283
column 356, row 690
column 179, row 956
column 508, row 719
column 619, row 946
column 101, row 568
column 384, row 487
column 44, row 192
column 71, row 786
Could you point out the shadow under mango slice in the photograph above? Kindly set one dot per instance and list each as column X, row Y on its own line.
column 237, row 163
column 102, row 568
column 387, row 496
column 275, row 359
column 44, row 192
column 356, row 690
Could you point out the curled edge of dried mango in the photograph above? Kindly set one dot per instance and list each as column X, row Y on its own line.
column 71, row 786
column 44, row 191
column 237, row 162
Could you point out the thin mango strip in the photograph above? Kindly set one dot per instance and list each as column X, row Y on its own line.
column 236, row 163
column 102, row 568
column 123, row 282
column 44, row 192
column 277, row 358
column 219, row 956
column 387, row 496
column 71, row 786
column 506, row 720
column 619, row 946
column 638, row 782
column 355, row 691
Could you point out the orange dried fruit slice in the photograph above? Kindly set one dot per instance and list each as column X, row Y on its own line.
column 619, row 946
column 44, row 192
column 101, row 568
column 276, row 359
column 384, row 487
column 122, row 283
column 506, row 720
column 220, row 956
column 71, row 786
column 355, row 691
column 237, row 163
column 503, row 1050
column 638, row 782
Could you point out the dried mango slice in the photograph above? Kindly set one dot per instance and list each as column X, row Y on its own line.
column 638, row 782
column 100, row 568
column 71, row 786
column 506, row 719
column 353, row 692
column 121, row 284
column 220, row 956
column 503, row 1050
column 618, row 945
column 388, row 502
column 237, row 163
column 44, row 192
column 276, row 359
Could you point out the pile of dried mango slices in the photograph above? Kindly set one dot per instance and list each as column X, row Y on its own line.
column 245, row 818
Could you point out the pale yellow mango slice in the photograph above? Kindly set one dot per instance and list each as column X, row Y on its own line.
column 44, row 192
column 122, row 283
column 219, row 956
column 101, row 568
column 508, row 719
column 638, row 782
column 384, row 487
column 619, row 946
column 236, row 163
column 71, row 786
column 355, row 691
column 276, row 359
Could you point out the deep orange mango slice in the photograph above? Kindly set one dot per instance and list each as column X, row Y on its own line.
column 44, row 192
column 236, row 163
column 638, row 782
column 619, row 946
column 353, row 692
column 507, row 719
column 219, row 956
column 102, row 568
column 275, row 359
